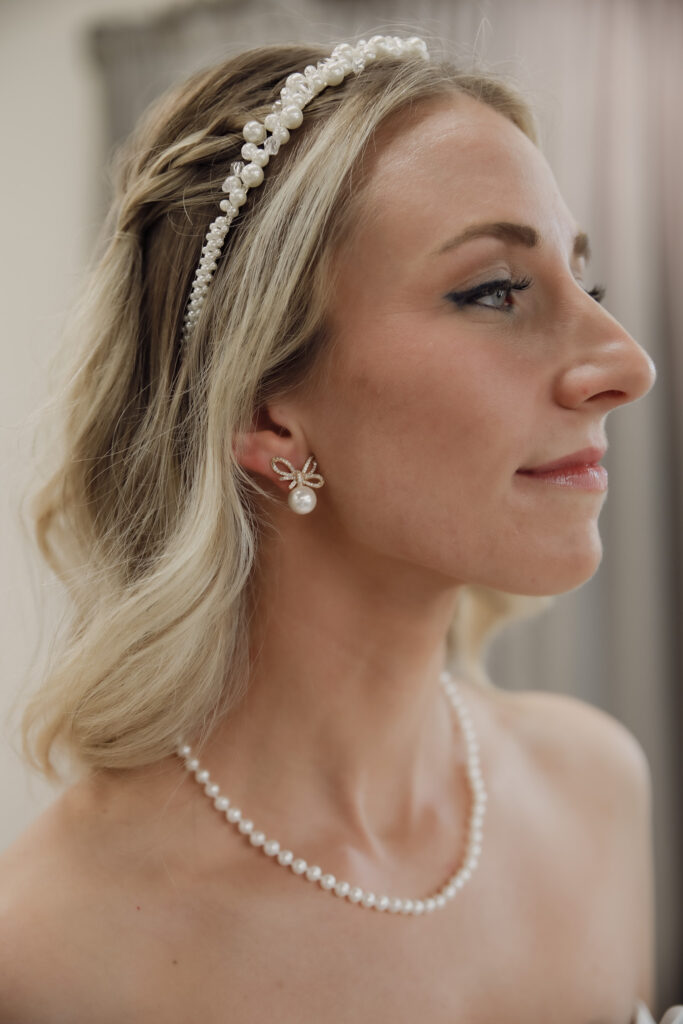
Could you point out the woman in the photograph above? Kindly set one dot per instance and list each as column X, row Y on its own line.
column 388, row 315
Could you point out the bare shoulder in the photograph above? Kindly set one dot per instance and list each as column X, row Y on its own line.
column 49, row 882
column 591, row 764
column 585, row 744
column 34, row 881
column 70, row 889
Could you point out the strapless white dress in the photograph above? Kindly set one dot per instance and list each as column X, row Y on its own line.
column 641, row 1015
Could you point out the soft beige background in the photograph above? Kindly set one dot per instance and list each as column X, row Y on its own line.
column 605, row 77
column 53, row 142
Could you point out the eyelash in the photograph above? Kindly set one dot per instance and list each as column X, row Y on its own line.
column 507, row 285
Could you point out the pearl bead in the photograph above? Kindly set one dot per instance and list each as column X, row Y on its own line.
column 252, row 175
column 281, row 134
column 313, row 873
column 333, row 73
column 291, row 117
column 302, row 499
column 341, row 889
column 192, row 765
column 254, row 131
column 272, row 121
column 202, row 777
column 234, row 814
column 299, row 866
column 238, row 197
column 382, row 903
column 271, row 847
column 369, row 899
column 212, row 790
column 257, row 838
column 355, row 895
column 221, row 803
column 245, row 826
column 395, row 906
column 185, row 750
column 285, row 857
column 231, row 182
column 327, row 882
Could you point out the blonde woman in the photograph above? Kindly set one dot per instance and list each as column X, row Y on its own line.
column 311, row 390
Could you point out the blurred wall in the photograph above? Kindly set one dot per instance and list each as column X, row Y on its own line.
column 51, row 166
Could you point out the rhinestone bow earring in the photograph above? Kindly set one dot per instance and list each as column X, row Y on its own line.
column 302, row 498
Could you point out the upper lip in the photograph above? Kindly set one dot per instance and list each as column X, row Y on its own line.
column 584, row 457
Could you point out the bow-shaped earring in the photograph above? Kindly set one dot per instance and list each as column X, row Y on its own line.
column 302, row 498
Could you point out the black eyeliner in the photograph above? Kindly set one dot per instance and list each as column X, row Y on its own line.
column 506, row 284
column 488, row 288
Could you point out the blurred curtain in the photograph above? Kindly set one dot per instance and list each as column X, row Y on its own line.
column 605, row 78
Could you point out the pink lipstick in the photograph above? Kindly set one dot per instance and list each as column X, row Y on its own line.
column 580, row 469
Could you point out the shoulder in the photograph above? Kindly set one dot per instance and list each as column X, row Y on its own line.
column 565, row 743
column 51, row 891
column 597, row 768
column 33, row 881
column 586, row 745
column 69, row 886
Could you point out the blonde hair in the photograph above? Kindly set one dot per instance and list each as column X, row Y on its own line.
column 147, row 517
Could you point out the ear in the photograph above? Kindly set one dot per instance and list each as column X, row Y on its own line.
column 275, row 430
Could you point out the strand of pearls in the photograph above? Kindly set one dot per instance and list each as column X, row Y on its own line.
column 285, row 116
column 342, row 889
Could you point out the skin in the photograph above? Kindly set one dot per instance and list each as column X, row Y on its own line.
column 419, row 419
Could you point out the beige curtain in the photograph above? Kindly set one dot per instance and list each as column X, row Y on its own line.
column 605, row 77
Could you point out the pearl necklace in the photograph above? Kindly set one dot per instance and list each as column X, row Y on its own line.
column 354, row 894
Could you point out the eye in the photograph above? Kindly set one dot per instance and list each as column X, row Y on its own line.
column 499, row 290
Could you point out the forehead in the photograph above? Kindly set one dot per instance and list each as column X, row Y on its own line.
column 452, row 162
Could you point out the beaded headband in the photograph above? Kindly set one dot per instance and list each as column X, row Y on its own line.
column 298, row 91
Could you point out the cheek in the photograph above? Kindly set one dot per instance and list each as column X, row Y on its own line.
column 423, row 434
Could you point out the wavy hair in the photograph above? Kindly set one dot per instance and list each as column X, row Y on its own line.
column 146, row 516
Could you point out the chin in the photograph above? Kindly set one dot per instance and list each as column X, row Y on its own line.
column 557, row 575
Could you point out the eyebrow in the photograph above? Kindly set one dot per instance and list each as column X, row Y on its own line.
column 518, row 234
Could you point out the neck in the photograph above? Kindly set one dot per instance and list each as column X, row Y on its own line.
column 345, row 728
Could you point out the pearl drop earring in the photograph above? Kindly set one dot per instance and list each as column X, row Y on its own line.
column 301, row 498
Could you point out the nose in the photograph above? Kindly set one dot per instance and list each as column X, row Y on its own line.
column 609, row 367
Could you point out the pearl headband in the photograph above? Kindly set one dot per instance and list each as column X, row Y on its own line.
column 298, row 91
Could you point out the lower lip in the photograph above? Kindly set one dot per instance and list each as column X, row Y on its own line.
column 586, row 478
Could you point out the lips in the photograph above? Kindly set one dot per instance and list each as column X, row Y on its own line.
column 584, row 457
